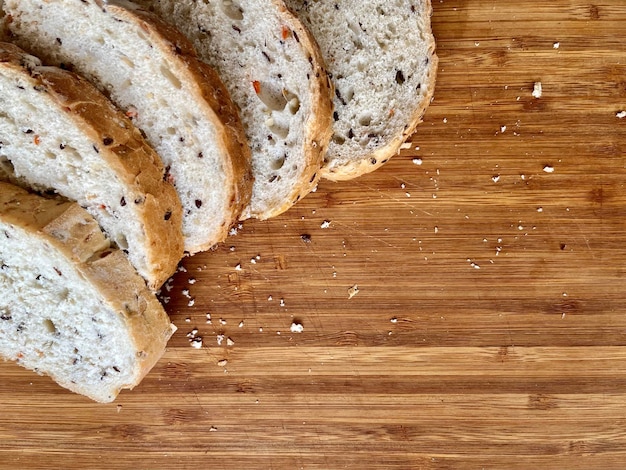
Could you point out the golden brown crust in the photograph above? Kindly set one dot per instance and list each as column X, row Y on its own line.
column 375, row 160
column 70, row 230
column 218, row 107
column 124, row 149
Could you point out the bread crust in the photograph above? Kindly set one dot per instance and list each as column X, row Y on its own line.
column 68, row 229
column 123, row 148
column 218, row 105
column 349, row 170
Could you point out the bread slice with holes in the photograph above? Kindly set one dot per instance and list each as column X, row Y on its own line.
column 151, row 71
column 381, row 57
column 274, row 72
column 72, row 307
column 58, row 132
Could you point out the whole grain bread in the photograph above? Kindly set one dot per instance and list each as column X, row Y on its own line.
column 58, row 132
column 273, row 70
column 152, row 72
column 381, row 57
column 72, row 307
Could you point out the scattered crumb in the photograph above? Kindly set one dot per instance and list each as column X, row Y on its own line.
column 208, row 318
column 476, row 43
column 445, row 120
column 548, row 169
column 537, row 90
column 196, row 343
column 436, row 229
column 325, row 224
column 556, row 45
column 270, row 298
column 233, row 232
column 187, row 320
column 192, row 280
column 406, row 145
column 185, row 292
column 232, row 248
column 229, row 342
column 282, row 302
column 238, row 267
column 417, row 161
column 220, row 339
column 252, row 261
column 306, row 238
column 621, row 115
column 394, row 320
column 241, row 324
column 222, row 321
column 297, row 327
column 221, row 363
column 181, row 269
column 503, row 129
column 191, row 302
column 119, row 408
column 539, row 209
column 352, row 291
column 495, row 178
column 212, row 429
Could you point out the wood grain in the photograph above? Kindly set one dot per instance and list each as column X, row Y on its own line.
column 488, row 330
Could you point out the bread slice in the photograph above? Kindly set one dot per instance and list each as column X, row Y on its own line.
column 274, row 72
column 71, row 307
column 381, row 58
column 151, row 71
column 58, row 132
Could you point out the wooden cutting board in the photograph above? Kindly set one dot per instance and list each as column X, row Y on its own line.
column 463, row 307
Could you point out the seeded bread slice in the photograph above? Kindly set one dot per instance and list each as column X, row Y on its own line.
column 274, row 72
column 151, row 71
column 71, row 307
column 381, row 58
column 57, row 132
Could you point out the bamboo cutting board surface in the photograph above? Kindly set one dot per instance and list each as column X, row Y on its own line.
column 462, row 307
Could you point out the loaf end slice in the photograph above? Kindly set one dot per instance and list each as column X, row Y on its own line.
column 381, row 57
column 72, row 307
column 58, row 132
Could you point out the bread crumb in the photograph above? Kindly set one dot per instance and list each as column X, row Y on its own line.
column 297, row 327
column 270, row 298
column 196, row 343
column 241, row 324
column 537, row 90
column 417, row 161
column 191, row 302
column 222, row 321
column 119, row 408
column 325, row 224
column 229, row 342
column 187, row 320
column 556, row 45
column 548, row 169
column 220, row 339
column 406, row 145
column 352, row 291
column 621, row 115
column 192, row 280
column 238, row 267
column 221, row 363
column 502, row 129
column 208, row 318
column 495, row 178
column 282, row 302
column 394, row 320
column 212, row 429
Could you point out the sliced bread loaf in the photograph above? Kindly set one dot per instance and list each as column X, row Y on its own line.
column 58, row 132
column 273, row 70
column 381, row 58
column 71, row 307
column 151, row 71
